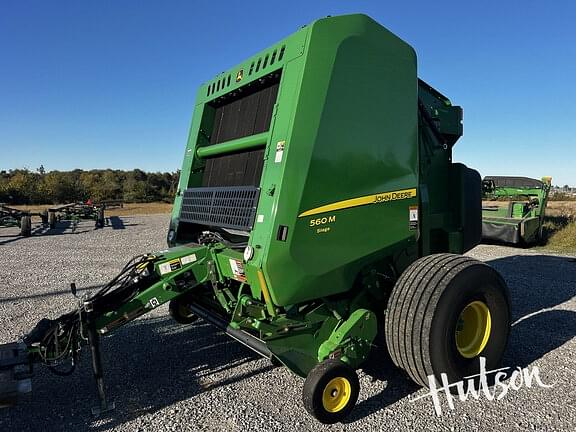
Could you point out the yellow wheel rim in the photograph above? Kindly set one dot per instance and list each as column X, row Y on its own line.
column 336, row 394
column 473, row 329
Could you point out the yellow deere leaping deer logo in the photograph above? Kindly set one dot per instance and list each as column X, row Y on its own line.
column 240, row 75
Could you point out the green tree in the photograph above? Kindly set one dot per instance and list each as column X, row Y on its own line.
column 63, row 187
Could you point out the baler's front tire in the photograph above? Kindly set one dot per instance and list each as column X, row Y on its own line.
column 180, row 312
column 330, row 391
column 445, row 312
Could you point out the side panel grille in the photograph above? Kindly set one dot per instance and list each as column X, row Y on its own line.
column 226, row 207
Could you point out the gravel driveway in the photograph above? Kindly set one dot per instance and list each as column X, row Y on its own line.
column 163, row 376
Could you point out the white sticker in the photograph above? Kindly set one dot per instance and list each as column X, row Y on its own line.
column 188, row 259
column 413, row 214
column 260, row 218
column 237, row 268
column 154, row 302
column 413, row 217
column 170, row 266
column 164, row 268
column 279, row 151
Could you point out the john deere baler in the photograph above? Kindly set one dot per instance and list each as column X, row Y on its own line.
column 318, row 206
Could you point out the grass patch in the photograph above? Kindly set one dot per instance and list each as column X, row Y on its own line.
column 129, row 209
column 564, row 239
column 140, row 209
column 560, row 227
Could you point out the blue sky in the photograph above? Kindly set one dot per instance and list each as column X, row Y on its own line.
column 98, row 84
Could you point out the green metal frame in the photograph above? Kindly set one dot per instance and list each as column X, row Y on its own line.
column 11, row 217
column 75, row 212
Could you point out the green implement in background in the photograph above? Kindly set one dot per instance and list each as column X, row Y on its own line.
column 514, row 207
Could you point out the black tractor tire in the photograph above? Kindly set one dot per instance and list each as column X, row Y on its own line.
column 26, row 226
column 44, row 217
column 445, row 312
column 100, row 220
column 330, row 391
column 179, row 311
column 52, row 219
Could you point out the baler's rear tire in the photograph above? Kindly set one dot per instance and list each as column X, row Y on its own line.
column 445, row 312
column 26, row 226
column 330, row 391
column 180, row 312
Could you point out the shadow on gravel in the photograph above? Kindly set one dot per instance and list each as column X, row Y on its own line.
column 116, row 222
column 48, row 294
column 10, row 238
column 61, row 228
column 148, row 365
column 119, row 223
column 66, row 228
column 538, row 334
column 398, row 386
column 538, row 283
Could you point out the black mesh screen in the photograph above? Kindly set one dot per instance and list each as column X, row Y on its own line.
column 227, row 207
column 238, row 169
column 247, row 114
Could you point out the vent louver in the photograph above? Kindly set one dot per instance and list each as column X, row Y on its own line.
column 261, row 63
column 226, row 207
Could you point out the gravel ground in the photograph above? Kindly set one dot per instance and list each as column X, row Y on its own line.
column 163, row 376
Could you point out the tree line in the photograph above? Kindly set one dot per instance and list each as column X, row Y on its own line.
column 22, row 186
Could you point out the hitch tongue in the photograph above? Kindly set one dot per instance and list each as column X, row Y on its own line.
column 15, row 373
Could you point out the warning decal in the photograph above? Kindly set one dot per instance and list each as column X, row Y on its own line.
column 170, row 266
column 413, row 217
column 237, row 267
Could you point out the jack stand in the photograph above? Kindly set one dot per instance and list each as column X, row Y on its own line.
column 94, row 342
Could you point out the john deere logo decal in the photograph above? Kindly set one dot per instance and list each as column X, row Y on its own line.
column 240, row 75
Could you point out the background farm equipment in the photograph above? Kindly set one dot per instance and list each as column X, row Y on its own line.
column 312, row 214
column 515, row 213
column 74, row 212
column 10, row 217
column 108, row 204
